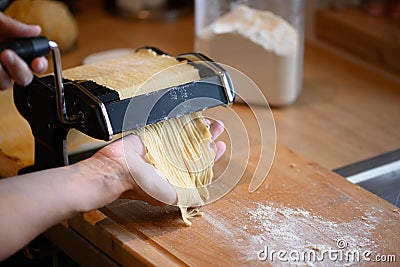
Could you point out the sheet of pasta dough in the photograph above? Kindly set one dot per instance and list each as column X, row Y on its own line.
column 180, row 148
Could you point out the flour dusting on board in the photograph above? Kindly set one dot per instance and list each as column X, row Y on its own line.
column 297, row 231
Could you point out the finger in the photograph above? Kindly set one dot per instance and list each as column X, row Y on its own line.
column 216, row 129
column 5, row 80
column 220, row 148
column 16, row 68
column 39, row 65
column 11, row 28
column 152, row 186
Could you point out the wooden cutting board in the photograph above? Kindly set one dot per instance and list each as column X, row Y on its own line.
column 301, row 206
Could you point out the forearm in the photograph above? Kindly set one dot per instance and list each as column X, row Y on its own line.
column 30, row 204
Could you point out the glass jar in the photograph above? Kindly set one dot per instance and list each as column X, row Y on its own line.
column 264, row 39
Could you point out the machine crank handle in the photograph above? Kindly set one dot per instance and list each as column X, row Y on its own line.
column 28, row 48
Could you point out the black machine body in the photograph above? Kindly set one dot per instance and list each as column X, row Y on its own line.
column 53, row 106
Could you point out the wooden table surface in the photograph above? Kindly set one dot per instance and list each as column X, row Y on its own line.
column 345, row 113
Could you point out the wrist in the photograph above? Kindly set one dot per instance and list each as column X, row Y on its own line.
column 99, row 181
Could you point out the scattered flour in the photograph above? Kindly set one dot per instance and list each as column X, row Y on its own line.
column 284, row 228
column 217, row 225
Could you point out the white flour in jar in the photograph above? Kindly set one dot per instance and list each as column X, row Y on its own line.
column 260, row 44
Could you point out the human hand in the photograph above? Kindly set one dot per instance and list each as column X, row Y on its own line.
column 148, row 181
column 12, row 67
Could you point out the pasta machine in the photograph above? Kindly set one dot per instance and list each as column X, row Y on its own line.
column 53, row 105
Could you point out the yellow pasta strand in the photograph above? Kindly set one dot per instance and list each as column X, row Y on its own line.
column 180, row 148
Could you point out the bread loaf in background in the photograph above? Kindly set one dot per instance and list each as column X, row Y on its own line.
column 56, row 21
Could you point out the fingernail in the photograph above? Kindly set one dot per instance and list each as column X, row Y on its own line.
column 5, row 85
column 41, row 66
column 38, row 29
column 8, row 56
column 220, row 123
column 27, row 79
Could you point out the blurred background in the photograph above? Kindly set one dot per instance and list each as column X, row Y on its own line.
column 347, row 115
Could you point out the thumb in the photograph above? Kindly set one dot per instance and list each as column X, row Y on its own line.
column 148, row 182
